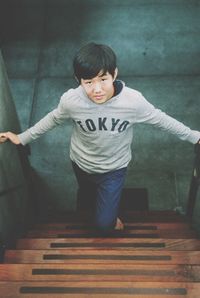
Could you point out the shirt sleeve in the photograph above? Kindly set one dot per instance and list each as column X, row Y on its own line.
column 147, row 113
column 48, row 122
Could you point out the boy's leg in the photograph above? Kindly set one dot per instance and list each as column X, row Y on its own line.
column 101, row 194
column 108, row 198
column 87, row 190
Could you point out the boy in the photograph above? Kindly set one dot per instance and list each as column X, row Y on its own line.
column 103, row 111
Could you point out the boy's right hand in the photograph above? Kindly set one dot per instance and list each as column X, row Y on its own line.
column 4, row 136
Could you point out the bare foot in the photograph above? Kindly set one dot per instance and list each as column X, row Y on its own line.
column 119, row 224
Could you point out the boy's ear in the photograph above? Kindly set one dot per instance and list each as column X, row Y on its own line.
column 115, row 73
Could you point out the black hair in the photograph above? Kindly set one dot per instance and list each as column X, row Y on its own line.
column 93, row 58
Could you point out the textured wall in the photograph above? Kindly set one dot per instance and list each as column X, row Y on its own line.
column 157, row 43
column 14, row 198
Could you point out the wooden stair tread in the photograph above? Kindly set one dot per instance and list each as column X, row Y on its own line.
column 100, row 289
column 125, row 234
column 128, row 226
column 105, row 272
column 128, row 216
column 117, row 243
column 102, row 256
column 157, row 255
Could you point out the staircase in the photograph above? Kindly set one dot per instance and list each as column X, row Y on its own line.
column 157, row 255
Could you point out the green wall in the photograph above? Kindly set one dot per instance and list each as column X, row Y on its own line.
column 14, row 198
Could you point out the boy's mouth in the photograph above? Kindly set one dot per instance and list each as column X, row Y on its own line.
column 98, row 96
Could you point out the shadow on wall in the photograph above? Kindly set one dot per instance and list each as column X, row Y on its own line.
column 15, row 201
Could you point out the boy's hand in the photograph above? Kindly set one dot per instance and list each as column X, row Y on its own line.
column 9, row 136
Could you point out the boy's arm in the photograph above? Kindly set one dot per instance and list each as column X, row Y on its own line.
column 42, row 126
column 48, row 122
column 52, row 119
column 147, row 113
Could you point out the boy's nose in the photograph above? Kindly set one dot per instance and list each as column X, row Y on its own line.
column 97, row 88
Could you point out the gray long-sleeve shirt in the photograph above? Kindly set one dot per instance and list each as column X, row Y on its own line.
column 102, row 133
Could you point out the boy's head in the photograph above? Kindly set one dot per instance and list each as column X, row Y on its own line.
column 95, row 69
column 92, row 59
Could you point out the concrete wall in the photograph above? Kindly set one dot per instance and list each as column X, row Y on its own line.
column 157, row 43
column 14, row 198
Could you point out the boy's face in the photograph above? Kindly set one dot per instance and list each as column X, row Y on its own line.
column 100, row 88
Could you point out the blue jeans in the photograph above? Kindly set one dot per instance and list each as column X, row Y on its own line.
column 101, row 194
